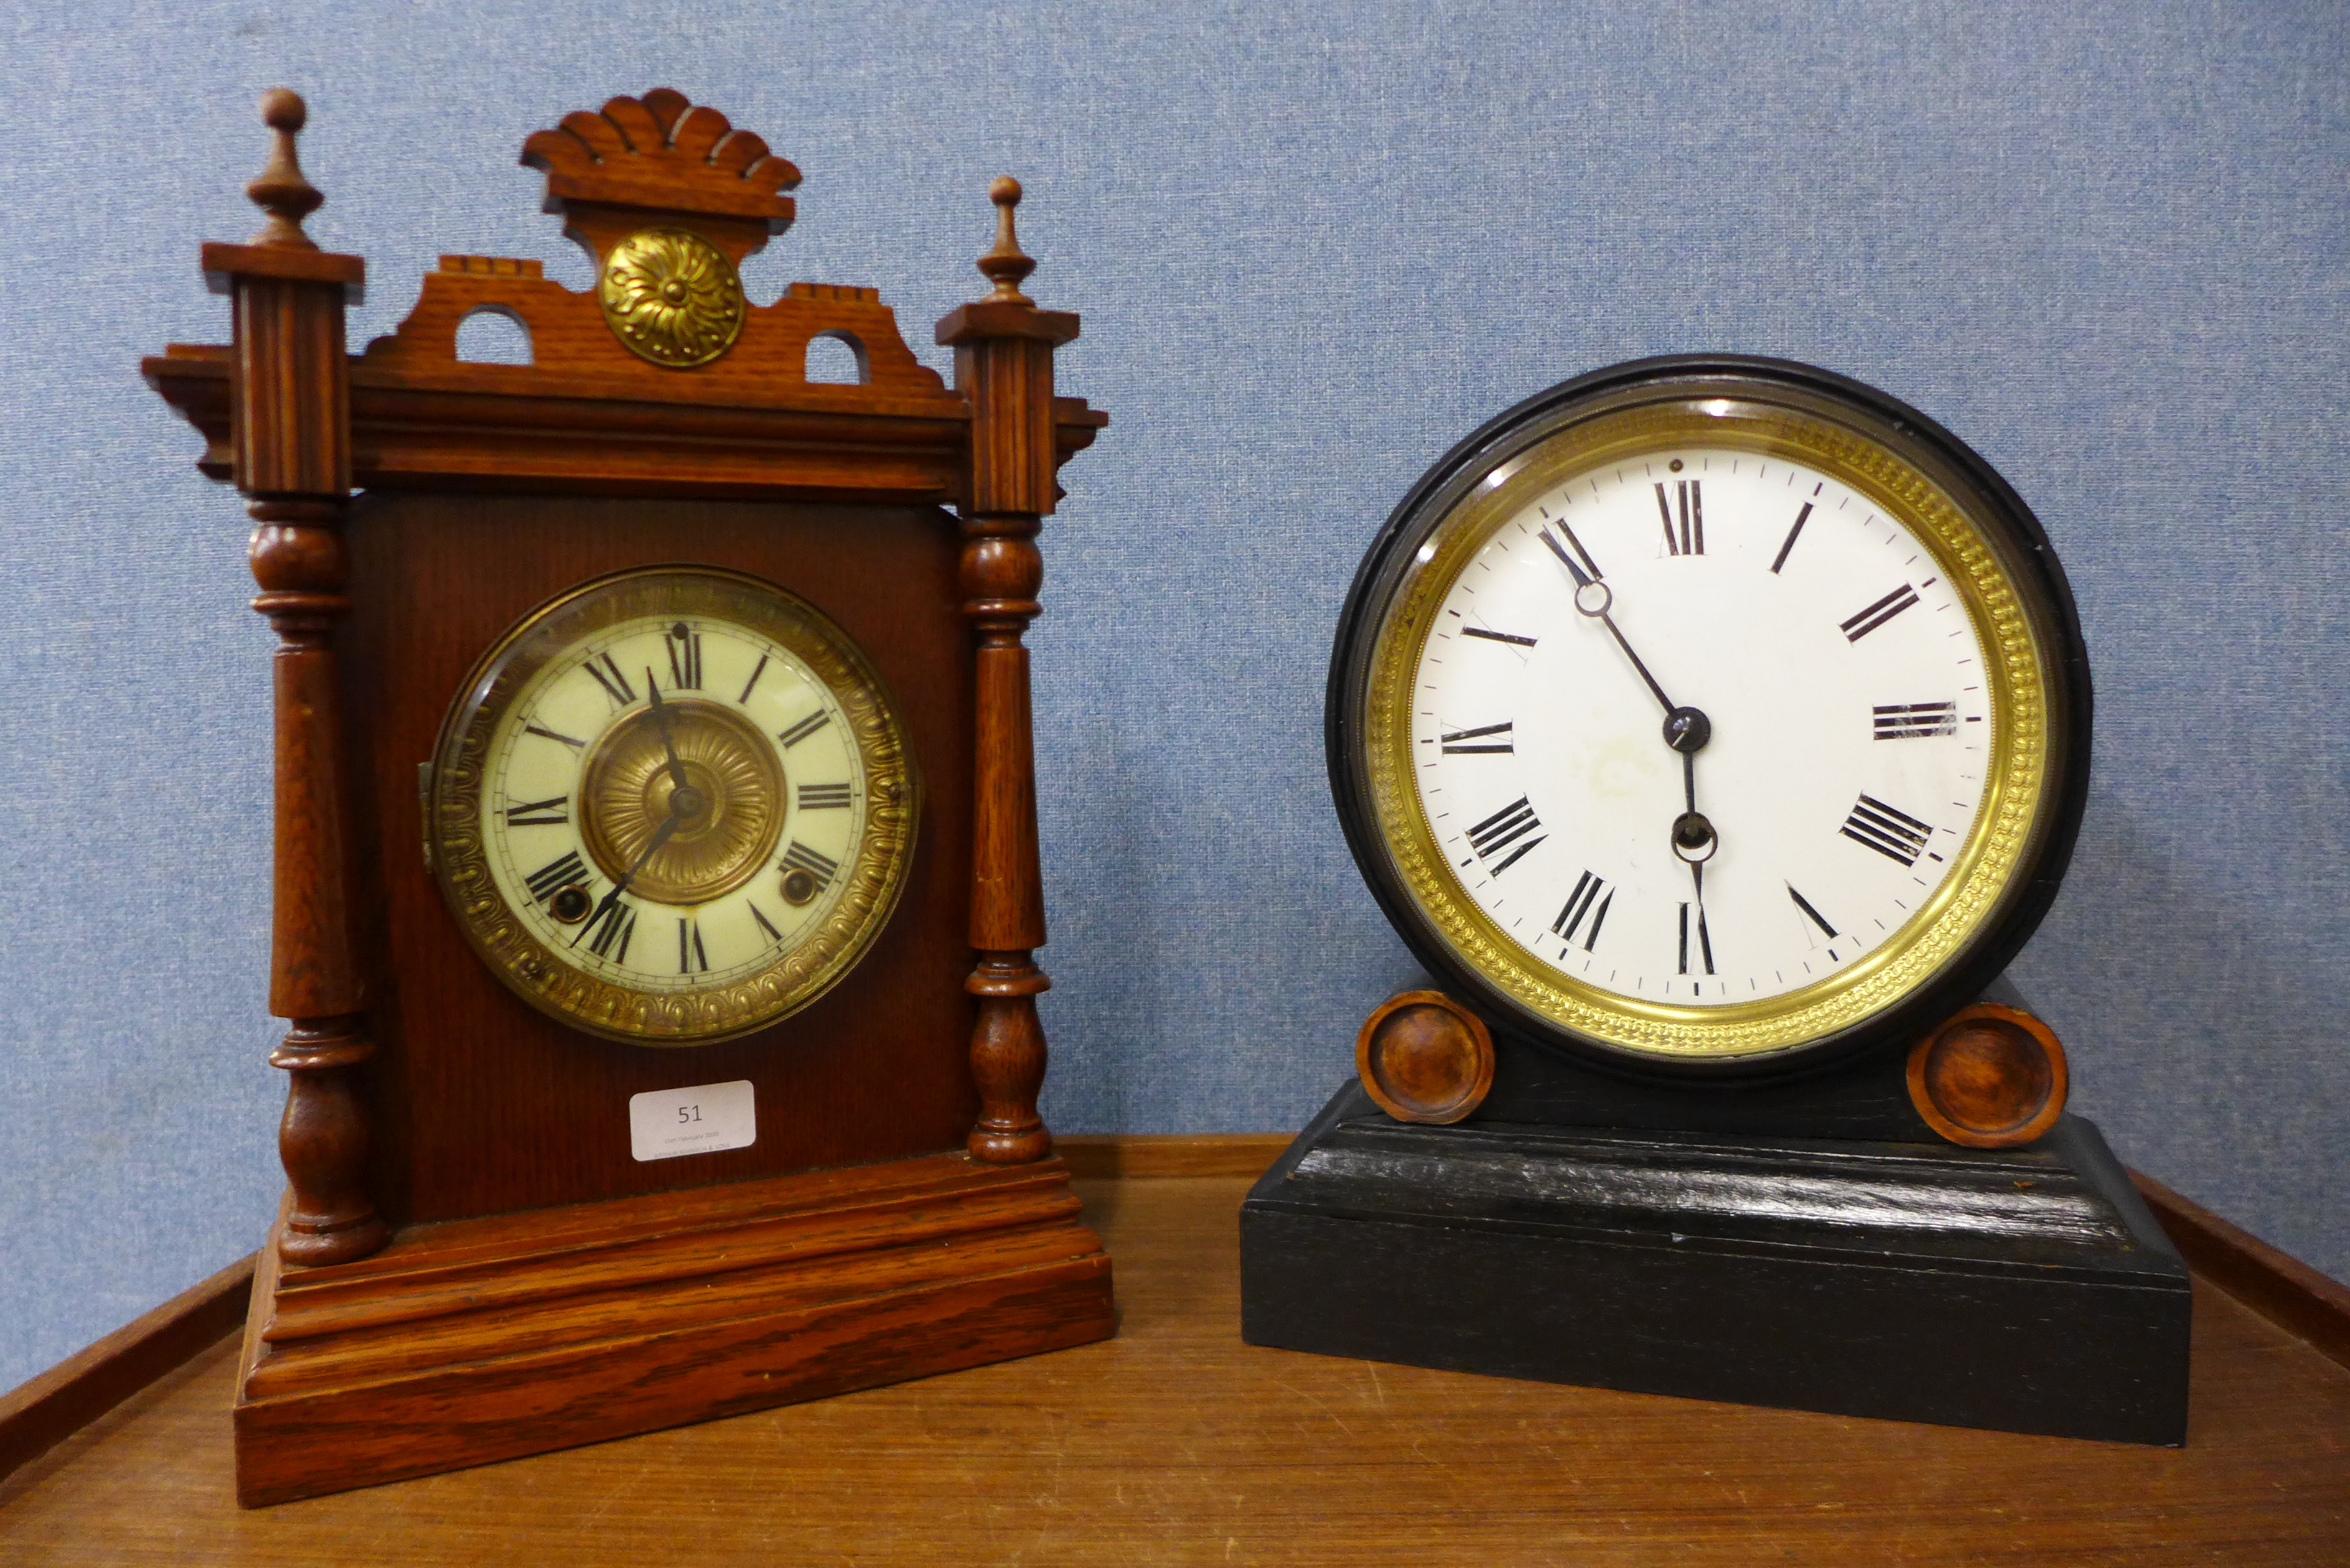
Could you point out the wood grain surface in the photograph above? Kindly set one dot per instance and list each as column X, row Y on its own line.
column 473, row 1341
column 1176, row 1443
column 484, row 1105
column 2277, row 1285
column 36, row 1416
column 477, row 1104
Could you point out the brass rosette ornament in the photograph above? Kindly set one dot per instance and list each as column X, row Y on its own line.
column 672, row 296
column 672, row 806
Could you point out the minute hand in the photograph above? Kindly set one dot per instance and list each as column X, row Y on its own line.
column 1593, row 600
column 669, row 825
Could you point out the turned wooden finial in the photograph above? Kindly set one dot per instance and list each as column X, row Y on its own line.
column 1006, row 264
column 281, row 190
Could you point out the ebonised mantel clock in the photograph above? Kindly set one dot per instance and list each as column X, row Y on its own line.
column 1715, row 730
column 657, row 887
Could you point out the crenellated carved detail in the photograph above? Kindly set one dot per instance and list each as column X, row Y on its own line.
column 569, row 339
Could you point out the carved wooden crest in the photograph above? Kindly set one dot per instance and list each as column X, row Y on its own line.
column 670, row 198
column 661, row 151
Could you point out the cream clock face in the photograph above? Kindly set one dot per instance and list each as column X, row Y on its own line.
column 674, row 806
column 1831, row 726
column 1710, row 722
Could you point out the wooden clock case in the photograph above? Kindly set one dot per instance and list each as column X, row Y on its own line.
column 469, row 1264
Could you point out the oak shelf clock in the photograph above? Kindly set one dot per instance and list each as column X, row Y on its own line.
column 656, row 888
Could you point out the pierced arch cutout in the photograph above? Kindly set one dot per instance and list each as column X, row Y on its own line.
column 495, row 334
column 838, row 358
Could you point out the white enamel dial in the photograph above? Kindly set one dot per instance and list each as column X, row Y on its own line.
column 542, row 799
column 1841, row 686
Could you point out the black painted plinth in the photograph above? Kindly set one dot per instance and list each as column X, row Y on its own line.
column 2023, row 1290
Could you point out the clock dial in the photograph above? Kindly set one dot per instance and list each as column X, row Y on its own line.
column 1849, row 726
column 674, row 806
column 1709, row 722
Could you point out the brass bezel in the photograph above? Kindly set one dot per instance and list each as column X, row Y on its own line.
column 876, row 875
column 1776, row 422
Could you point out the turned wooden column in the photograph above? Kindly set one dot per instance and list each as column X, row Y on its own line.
column 1003, row 364
column 292, row 423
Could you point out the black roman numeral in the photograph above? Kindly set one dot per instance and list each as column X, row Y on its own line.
column 1806, row 905
column 1790, row 545
column 557, row 874
column 611, row 676
column 1907, row 720
column 1891, row 832
column 684, row 646
column 757, row 671
column 1579, row 566
column 553, row 812
column 806, row 727
column 1877, row 614
column 691, row 958
column 800, row 857
column 1704, row 941
column 1510, row 637
column 1588, row 890
column 1505, row 827
column 615, row 927
column 764, row 924
column 1459, row 742
column 539, row 730
column 823, row 797
column 1691, row 541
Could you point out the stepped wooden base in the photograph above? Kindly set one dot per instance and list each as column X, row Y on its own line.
column 476, row 1340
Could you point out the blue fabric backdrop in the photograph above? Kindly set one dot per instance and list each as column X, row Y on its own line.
column 1313, row 245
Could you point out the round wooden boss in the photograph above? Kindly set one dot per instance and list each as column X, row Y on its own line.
column 1424, row 1057
column 1989, row 1077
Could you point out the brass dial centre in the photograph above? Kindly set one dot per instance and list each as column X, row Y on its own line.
column 730, row 810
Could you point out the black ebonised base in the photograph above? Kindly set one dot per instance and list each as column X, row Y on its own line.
column 2024, row 1290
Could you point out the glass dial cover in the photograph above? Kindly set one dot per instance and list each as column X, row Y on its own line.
column 1706, row 714
column 672, row 806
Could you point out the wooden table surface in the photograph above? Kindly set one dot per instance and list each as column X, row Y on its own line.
column 1177, row 1443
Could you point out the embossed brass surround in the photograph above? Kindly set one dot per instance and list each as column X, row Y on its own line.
column 869, row 882
column 1813, row 431
column 626, row 788
column 672, row 296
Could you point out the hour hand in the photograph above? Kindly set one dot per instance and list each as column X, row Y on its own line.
column 661, row 713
